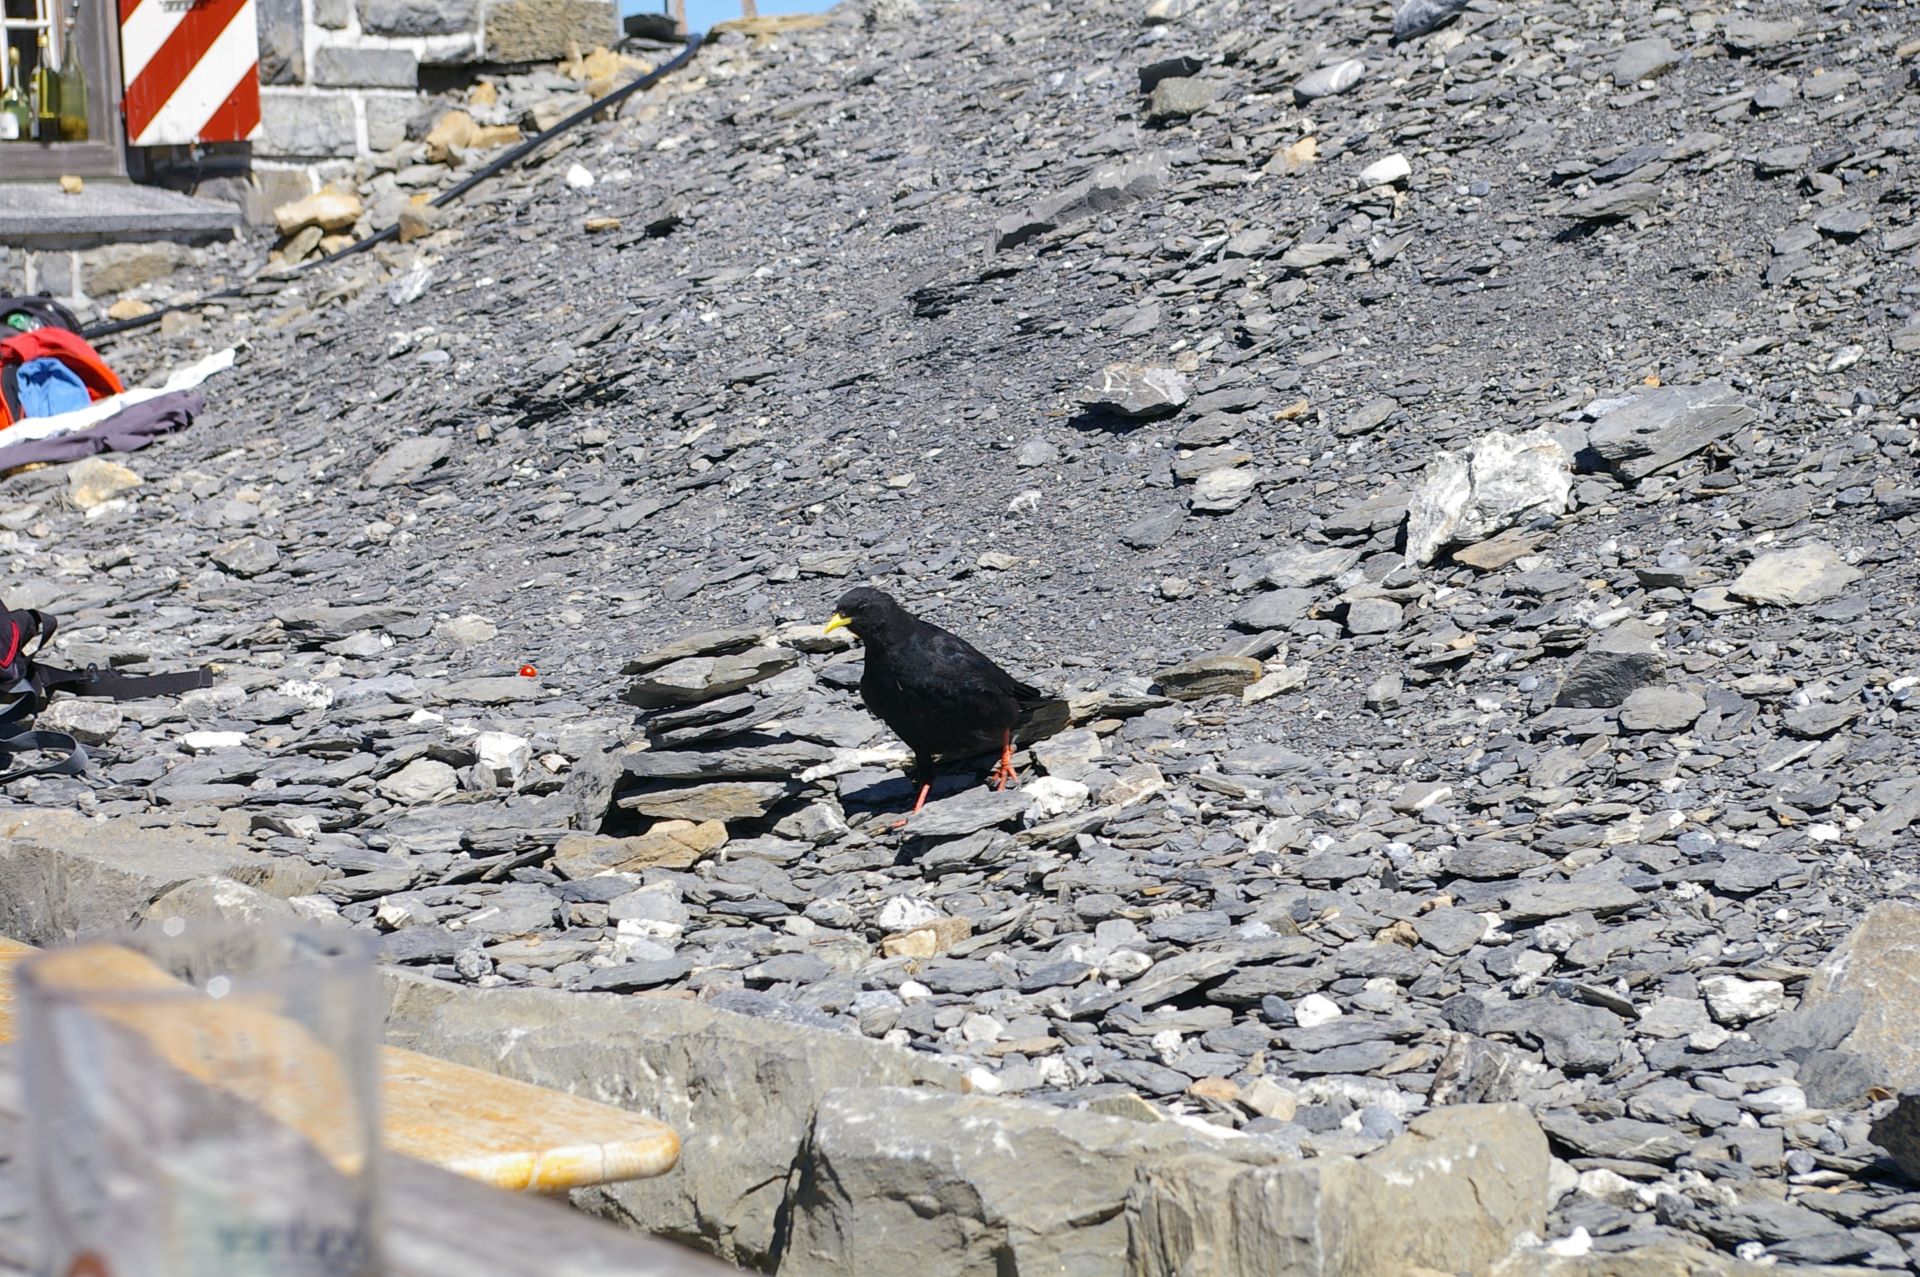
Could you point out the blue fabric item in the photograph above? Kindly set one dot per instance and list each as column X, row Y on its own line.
column 48, row 387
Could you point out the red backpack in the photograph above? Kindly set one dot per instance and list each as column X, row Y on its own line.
column 69, row 348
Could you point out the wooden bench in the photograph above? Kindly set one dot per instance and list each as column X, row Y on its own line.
column 506, row 1133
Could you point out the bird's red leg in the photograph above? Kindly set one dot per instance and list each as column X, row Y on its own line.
column 918, row 803
column 1003, row 771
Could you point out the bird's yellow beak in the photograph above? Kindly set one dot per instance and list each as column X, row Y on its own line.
column 837, row 622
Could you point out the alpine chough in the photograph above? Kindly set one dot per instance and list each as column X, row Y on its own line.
column 933, row 688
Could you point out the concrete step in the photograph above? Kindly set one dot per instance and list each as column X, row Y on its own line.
column 38, row 214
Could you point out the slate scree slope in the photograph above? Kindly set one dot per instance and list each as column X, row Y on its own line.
column 1461, row 477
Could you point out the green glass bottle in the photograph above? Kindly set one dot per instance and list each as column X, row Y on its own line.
column 46, row 92
column 73, row 89
column 15, row 124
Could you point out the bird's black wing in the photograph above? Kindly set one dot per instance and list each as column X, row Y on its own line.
column 943, row 656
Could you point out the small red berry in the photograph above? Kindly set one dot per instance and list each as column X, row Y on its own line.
column 527, row 671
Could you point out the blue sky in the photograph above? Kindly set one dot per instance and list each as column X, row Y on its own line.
column 702, row 14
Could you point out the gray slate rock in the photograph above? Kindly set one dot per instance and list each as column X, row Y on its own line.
column 779, row 760
column 1621, row 1137
column 721, row 800
column 1328, row 81
column 249, row 556
column 90, row 722
column 406, row 462
column 1485, row 860
column 703, row 678
column 897, row 1180
column 1374, row 616
column 1615, row 201
column 1644, row 60
column 1135, row 390
column 1805, row 574
column 1536, row 902
column 1778, row 161
column 1660, row 709
column 1665, row 425
column 968, row 812
column 1482, row 1168
column 1108, row 189
column 1417, row 17
column 1750, row 35
column 1870, row 987
column 1151, row 531
column 1208, row 676
column 703, row 643
column 1298, row 566
column 1450, row 931
column 1274, row 610
column 1898, row 1132
column 1746, row 872
column 1617, row 663
column 1179, row 96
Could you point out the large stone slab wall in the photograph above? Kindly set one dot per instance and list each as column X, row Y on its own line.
column 104, row 272
column 810, row 1152
column 66, row 875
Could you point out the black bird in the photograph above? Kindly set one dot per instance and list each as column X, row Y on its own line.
column 933, row 688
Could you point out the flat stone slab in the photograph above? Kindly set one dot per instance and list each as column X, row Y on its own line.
column 1809, row 573
column 68, row 875
column 968, row 813
column 1656, row 428
column 41, row 215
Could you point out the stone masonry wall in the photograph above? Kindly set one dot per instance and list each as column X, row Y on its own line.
column 340, row 81
column 341, row 78
column 103, row 272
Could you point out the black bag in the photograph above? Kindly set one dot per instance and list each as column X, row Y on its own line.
column 26, row 685
column 24, row 314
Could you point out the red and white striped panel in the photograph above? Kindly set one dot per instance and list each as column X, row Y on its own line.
column 192, row 71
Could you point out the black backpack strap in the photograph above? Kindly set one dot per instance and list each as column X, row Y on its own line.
column 17, row 738
column 21, row 702
column 93, row 681
column 73, row 760
column 29, row 695
column 27, row 684
column 25, row 634
column 39, row 627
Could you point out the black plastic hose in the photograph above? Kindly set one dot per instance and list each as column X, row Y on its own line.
column 513, row 156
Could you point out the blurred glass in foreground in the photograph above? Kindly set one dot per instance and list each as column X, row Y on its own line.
column 201, row 1102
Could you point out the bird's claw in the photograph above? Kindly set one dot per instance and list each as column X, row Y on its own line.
column 1003, row 772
